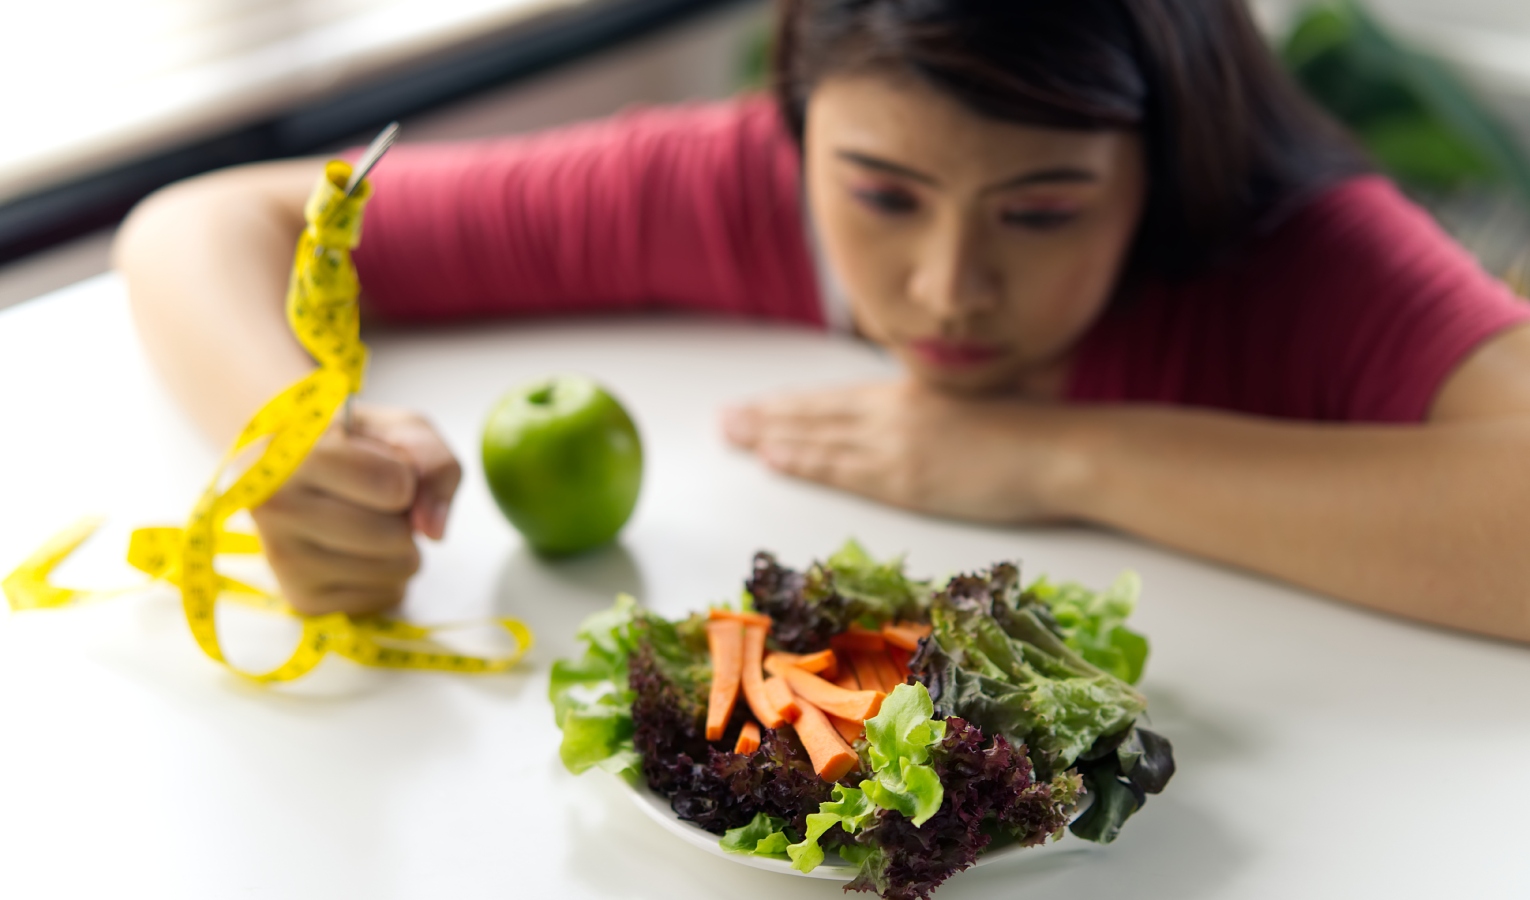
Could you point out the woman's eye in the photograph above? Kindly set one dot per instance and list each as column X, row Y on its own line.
column 892, row 202
column 1037, row 219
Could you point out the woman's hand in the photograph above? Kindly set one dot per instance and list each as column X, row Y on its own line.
column 340, row 533
column 991, row 460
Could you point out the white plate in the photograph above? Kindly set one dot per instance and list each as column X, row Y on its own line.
column 833, row 868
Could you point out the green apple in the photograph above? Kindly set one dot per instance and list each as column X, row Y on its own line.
column 564, row 463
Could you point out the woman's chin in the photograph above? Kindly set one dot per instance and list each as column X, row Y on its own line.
column 985, row 379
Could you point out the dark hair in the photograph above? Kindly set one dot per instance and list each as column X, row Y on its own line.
column 1231, row 142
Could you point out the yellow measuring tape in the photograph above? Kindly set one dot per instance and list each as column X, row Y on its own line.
column 322, row 310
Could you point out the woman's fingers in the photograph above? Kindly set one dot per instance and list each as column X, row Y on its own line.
column 352, row 600
column 841, row 466
column 331, row 523
column 357, row 601
column 436, row 470
column 340, row 534
column 747, row 425
column 361, row 470
column 312, row 568
column 318, row 579
column 799, row 438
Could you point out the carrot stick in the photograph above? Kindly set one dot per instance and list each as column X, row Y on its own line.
column 748, row 739
column 850, row 731
column 783, row 703
column 725, row 640
column 770, row 714
column 832, row 757
column 878, row 675
column 900, row 658
column 889, row 674
column 857, row 638
column 847, row 679
column 748, row 618
column 905, row 634
column 866, row 670
column 856, row 706
column 821, row 663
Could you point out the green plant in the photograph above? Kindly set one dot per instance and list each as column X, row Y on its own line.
column 1422, row 125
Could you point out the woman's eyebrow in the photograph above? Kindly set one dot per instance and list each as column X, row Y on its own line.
column 882, row 165
column 1053, row 175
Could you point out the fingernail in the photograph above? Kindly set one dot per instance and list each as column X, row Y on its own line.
column 774, row 457
column 740, row 425
column 435, row 514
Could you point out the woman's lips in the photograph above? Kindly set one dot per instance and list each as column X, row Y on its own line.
column 955, row 354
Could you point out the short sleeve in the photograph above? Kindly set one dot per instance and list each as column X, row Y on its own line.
column 693, row 207
column 1356, row 308
column 1391, row 305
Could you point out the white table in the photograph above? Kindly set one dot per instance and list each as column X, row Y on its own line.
column 1323, row 751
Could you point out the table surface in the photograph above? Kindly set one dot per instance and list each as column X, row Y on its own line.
column 1323, row 751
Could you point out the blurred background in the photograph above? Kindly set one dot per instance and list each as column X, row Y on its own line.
column 106, row 100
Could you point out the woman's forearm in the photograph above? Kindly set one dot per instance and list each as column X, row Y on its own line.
column 206, row 264
column 1425, row 522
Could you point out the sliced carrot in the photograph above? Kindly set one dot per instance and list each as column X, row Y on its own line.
column 862, row 661
column 891, row 676
column 822, row 663
column 768, row 712
column 783, row 702
column 856, row 706
column 900, row 658
column 832, row 757
column 905, row 634
column 857, row 638
column 748, row 739
column 725, row 640
column 747, row 618
column 850, row 731
column 847, row 680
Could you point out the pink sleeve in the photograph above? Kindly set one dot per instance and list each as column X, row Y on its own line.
column 1395, row 304
column 1356, row 309
column 692, row 207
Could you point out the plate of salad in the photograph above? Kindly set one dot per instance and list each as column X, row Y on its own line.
column 849, row 721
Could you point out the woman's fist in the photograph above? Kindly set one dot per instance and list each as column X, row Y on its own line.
column 340, row 534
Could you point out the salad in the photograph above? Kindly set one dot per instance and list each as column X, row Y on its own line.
column 905, row 725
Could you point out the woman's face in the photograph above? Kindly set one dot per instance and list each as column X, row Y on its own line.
column 977, row 251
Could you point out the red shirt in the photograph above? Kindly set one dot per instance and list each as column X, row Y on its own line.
column 1355, row 308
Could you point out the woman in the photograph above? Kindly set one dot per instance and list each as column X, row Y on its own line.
column 1136, row 280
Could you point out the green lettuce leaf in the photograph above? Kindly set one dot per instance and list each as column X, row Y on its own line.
column 899, row 738
column 595, row 731
column 994, row 661
column 1094, row 624
column 763, row 836
column 879, row 592
column 850, row 587
column 590, row 699
column 607, row 636
column 850, row 809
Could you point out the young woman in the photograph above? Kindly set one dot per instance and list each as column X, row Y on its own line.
column 1134, row 277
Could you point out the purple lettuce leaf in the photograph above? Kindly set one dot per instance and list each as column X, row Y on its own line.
column 716, row 790
column 849, row 587
column 989, row 791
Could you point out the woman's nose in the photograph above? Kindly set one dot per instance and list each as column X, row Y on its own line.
column 952, row 278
